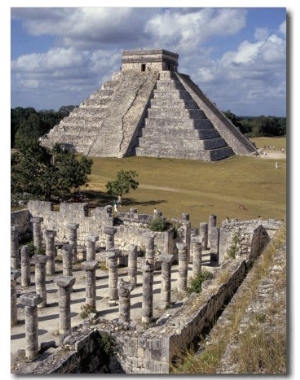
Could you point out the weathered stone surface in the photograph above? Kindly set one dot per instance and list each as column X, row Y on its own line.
column 140, row 107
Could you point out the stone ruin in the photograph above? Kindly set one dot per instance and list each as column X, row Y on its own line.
column 154, row 266
column 144, row 104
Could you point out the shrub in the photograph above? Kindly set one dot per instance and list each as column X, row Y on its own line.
column 107, row 343
column 196, row 282
column 35, row 251
column 232, row 251
column 86, row 310
column 158, row 224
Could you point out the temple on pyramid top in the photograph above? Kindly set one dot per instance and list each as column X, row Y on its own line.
column 149, row 108
column 147, row 60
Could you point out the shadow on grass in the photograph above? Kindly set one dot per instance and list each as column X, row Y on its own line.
column 101, row 199
column 133, row 202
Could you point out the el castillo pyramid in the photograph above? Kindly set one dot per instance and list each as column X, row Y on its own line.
column 148, row 108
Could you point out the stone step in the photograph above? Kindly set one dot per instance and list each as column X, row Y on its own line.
column 169, row 84
column 219, row 154
column 169, row 132
column 193, row 144
column 75, row 129
column 127, row 106
column 96, row 102
column 173, row 103
column 102, row 93
column 175, row 113
column 163, row 122
column 178, row 153
column 180, row 132
column 175, row 94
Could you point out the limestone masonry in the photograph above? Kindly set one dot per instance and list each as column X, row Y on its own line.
column 150, row 109
column 130, row 283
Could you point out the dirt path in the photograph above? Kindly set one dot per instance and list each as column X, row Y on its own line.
column 271, row 154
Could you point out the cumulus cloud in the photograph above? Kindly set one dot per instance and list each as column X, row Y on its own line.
column 282, row 28
column 88, row 27
column 254, row 73
column 187, row 31
column 89, row 43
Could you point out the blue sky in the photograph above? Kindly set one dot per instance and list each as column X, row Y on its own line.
column 237, row 56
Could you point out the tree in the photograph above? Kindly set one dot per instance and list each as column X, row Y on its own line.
column 123, row 183
column 45, row 173
column 28, row 124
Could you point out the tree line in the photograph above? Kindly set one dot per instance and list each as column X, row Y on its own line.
column 27, row 123
column 258, row 126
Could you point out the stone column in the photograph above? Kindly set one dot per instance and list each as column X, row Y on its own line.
column 185, row 216
column 14, row 274
column 90, row 269
column 110, row 241
column 40, row 278
column 30, row 301
column 91, row 247
column 182, row 267
column 150, row 248
column 112, row 264
column 25, row 267
column 147, row 299
column 72, row 239
column 203, row 234
column 65, row 286
column 224, row 237
column 132, row 264
column 186, row 226
column 124, row 289
column 166, row 261
column 14, row 250
column 197, row 259
column 50, row 251
column 214, row 244
column 67, row 252
column 37, row 231
column 212, row 222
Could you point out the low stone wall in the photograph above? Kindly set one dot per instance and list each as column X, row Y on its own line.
column 154, row 351
column 243, row 231
column 131, row 227
column 22, row 218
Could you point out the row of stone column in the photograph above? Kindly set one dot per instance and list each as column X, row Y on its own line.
column 117, row 289
column 50, row 249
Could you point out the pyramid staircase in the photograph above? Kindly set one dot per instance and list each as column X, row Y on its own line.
column 176, row 127
column 79, row 130
column 105, row 124
column 150, row 109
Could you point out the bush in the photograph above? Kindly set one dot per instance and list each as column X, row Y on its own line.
column 233, row 250
column 86, row 310
column 196, row 282
column 158, row 224
column 35, row 251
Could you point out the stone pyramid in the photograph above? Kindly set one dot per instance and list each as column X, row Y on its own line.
column 148, row 108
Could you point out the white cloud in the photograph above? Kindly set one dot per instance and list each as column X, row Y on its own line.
column 253, row 74
column 89, row 44
column 282, row 28
column 188, row 31
column 261, row 34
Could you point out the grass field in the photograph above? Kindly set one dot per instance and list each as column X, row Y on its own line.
column 239, row 187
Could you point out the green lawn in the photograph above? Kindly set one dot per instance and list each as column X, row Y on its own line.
column 239, row 187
